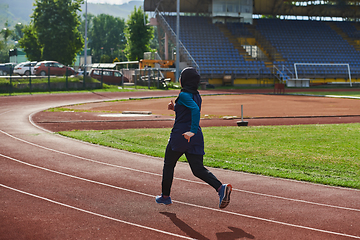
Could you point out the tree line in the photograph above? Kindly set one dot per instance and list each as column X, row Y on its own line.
column 57, row 32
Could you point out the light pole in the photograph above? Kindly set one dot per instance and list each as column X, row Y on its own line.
column 177, row 73
column 85, row 50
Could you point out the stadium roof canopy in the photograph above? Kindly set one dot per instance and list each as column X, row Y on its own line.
column 333, row 8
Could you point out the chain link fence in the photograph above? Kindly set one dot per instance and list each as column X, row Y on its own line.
column 51, row 81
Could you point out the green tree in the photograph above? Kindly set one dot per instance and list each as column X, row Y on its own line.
column 30, row 44
column 4, row 46
column 105, row 59
column 138, row 35
column 154, row 42
column 6, row 32
column 106, row 37
column 81, row 27
column 4, row 52
column 55, row 24
column 18, row 32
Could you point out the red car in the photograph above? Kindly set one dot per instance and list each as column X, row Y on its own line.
column 55, row 68
column 109, row 76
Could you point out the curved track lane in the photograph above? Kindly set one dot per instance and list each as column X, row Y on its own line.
column 53, row 187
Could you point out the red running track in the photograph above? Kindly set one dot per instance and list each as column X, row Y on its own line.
column 53, row 187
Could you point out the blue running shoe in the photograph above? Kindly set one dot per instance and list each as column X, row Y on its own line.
column 224, row 195
column 162, row 200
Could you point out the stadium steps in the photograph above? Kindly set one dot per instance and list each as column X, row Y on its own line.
column 338, row 30
column 266, row 47
column 356, row 25
column 234, row 42
column 357, row 41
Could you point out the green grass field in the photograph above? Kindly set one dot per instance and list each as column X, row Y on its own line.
column 326, row 154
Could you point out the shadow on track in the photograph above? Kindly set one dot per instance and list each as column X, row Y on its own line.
column 236, row 233
column 184, row 227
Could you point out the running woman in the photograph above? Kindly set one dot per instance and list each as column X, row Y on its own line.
column 186, row 138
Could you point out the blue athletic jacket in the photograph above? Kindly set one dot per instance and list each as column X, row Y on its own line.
column 187, row 116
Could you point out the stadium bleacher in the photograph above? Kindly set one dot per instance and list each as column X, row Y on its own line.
column 212, row 51
column 349, row 28
column 239, row 29
column 309, row 42
column 298, row 41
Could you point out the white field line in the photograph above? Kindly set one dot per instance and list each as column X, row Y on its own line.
column 181, row 179
column 336, row 96
column 152, row 196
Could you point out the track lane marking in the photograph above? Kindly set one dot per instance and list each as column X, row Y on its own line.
column 93, row 213
column 6, row 112
column 180, row 202
column 181, row 179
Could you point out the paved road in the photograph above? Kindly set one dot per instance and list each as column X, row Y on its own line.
column 53, row 187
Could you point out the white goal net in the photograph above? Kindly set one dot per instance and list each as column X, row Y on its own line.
column 306, row 70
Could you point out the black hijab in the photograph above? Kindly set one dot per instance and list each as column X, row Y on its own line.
column 190, row 80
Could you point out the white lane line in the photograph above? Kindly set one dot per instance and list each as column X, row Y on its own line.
column 184, row 203
column 75, row 156
column 95, row 214
column 181, row 179
column 272, row 221
column 299, row 200
column 41, row 128
column 6, row 112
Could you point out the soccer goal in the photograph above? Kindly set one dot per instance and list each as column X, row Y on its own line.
column 323, row 68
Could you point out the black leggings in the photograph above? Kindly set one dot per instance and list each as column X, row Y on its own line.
column 196, row 165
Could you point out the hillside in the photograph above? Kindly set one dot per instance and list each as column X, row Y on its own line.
column 122, row 11
column 15, row 11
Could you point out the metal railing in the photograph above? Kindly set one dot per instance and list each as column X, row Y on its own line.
column 173, row 34
column 282, row 72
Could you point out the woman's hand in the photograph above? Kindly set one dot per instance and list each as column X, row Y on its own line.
column 188, row 135
column 171, row 105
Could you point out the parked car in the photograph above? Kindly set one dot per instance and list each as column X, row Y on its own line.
column 6, row 68
column 55, row 68
column 25, row 68
column 109, row 76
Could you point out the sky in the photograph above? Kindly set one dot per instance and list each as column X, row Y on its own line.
column 118, row 2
